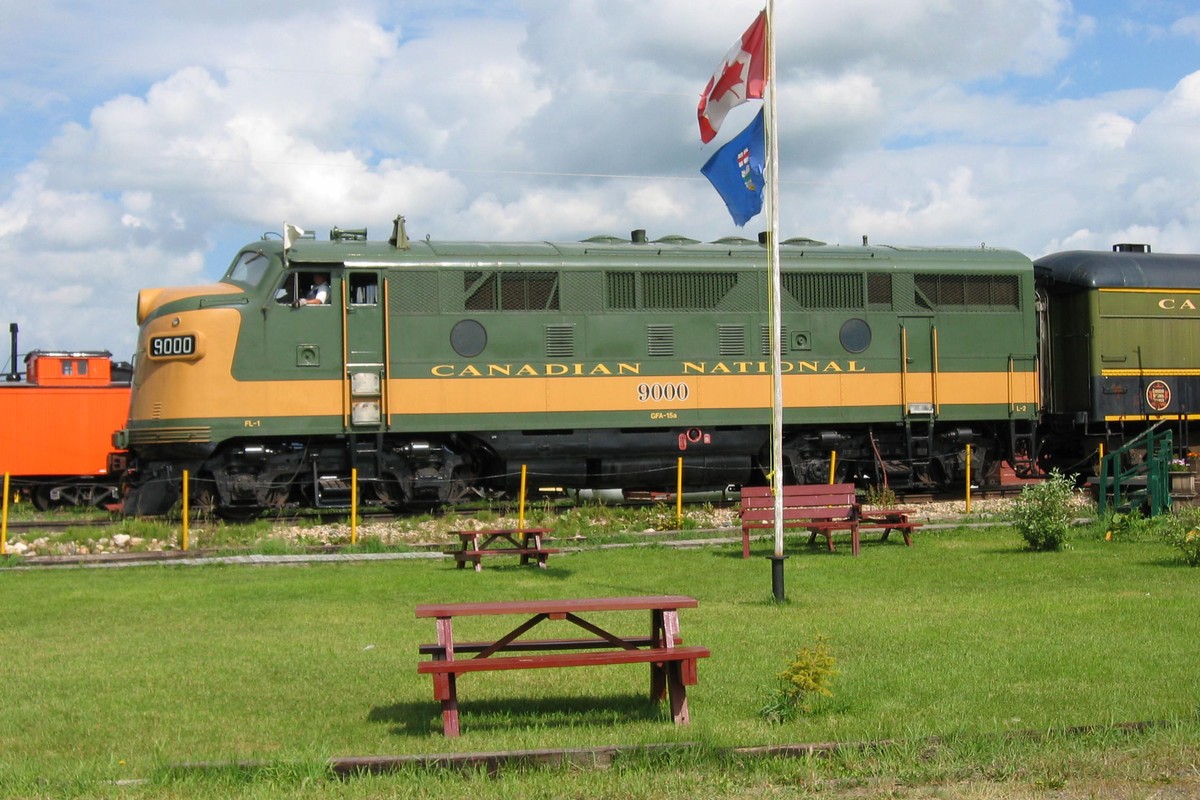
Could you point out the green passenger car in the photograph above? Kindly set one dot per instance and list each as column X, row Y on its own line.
column 1120, row 338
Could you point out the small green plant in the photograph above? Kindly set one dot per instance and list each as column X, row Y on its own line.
column 1181, row 530
column 1128, row 527
column 1042, row 512
column 807, row 677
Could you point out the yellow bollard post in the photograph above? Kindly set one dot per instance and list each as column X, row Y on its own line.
column 679, row 496
column 4, row 520
column 354, row 505
column 186, row 512
column 1099, row 472
column 521, row 502
column 968, row 479
column 832, row 465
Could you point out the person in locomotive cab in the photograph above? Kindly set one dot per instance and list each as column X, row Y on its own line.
column 319, row 293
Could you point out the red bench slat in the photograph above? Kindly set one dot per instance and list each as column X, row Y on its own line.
column 433, row 649
column 566, row 659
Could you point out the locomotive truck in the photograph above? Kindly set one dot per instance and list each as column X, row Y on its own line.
column 437, row 370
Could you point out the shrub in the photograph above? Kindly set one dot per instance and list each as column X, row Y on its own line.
column 1181, row 530
column 808, row 676
column 1042, row 512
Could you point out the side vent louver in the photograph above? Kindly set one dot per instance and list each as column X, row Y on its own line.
column 731, row 340
column 560, row 341
column 660, row 340
column 766, row 339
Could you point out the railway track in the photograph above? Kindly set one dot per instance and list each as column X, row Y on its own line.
column 341, row 516
column 300, row 532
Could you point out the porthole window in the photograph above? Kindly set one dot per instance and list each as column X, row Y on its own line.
column 468, row 338
column 855, row 335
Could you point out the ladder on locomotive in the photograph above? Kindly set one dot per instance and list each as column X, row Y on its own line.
column 1022, row 445
column 918, row 435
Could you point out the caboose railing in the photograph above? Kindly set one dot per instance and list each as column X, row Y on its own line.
column 1150, row 479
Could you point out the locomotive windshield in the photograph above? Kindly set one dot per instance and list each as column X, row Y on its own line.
column 249, row 268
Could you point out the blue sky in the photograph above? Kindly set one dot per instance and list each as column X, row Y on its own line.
column 142, row 150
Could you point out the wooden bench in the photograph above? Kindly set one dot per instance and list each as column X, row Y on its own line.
column 672, row 665
column 818, row 508
column 821, row 509
column 523, row 542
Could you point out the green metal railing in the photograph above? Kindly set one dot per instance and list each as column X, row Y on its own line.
column 1150, row 479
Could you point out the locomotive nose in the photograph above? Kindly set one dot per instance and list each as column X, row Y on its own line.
column 147, row 301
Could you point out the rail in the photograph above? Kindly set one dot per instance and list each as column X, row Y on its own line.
column 1149, row 479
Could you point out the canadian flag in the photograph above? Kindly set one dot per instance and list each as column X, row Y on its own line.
column 742, row 76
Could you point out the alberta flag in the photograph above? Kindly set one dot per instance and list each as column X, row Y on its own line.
column 736, row 172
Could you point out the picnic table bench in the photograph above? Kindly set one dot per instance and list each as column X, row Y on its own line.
column 672, row 665
column 525, row 542
column 820, row 509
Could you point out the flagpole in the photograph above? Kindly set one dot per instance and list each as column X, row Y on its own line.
column 772, row 203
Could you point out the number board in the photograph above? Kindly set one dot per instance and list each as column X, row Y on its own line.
column 176, row 345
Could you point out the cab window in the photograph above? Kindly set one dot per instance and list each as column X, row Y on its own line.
column 364, row 289
column 305, row 288
column 249, row 268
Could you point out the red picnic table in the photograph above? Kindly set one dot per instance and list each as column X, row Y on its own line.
column 525, row 542
column 672, row 665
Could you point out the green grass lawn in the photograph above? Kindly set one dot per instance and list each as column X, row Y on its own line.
column 115, row 674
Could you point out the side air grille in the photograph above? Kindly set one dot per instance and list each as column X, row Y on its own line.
column 560, row 341
column 766, row 339
column 731, row 340
column 660, row 340
column 825, row 291
column 170, row 435
column 969, row 292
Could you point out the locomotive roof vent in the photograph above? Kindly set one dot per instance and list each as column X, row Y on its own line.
column 638, row 236
column 1126, row 247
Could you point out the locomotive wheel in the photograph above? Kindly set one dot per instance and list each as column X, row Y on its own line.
column 461, row 488
column 40, row 495
column 203, row 500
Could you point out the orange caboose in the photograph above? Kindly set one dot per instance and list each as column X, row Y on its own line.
column 56, row 426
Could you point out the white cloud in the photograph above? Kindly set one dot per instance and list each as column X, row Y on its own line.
column 1188, row 27
column 174, row 137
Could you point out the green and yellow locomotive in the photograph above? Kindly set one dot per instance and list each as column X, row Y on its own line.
column 438, row 369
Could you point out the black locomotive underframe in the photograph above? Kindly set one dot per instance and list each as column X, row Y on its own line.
column 410, row 471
